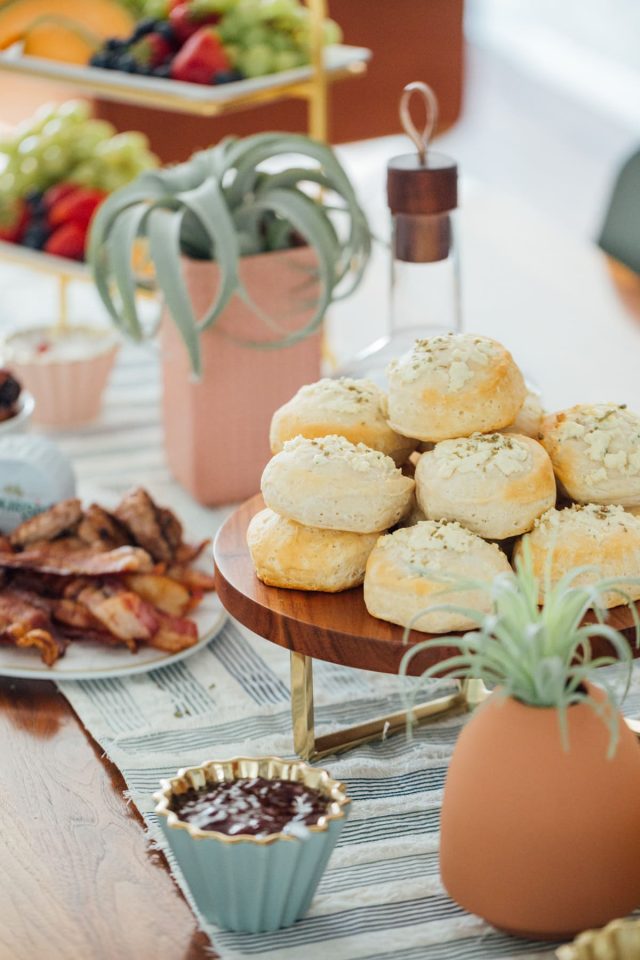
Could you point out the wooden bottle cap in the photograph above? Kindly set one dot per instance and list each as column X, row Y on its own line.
column 424, row 182
column 417, row 187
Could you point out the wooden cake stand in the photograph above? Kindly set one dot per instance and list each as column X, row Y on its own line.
column 335, row 627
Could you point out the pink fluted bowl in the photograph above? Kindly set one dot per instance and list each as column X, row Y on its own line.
column 65, row 373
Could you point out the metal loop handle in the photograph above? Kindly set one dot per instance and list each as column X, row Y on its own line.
column 430, row 100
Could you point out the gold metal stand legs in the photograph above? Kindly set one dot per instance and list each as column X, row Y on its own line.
column 468, row 695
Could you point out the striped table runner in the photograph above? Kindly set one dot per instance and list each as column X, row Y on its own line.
column 381, row 897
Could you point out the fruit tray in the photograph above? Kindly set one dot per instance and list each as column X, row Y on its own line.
column 340, row 61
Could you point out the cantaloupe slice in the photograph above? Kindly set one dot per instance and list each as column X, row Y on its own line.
column 58, row 38
column 106, row 18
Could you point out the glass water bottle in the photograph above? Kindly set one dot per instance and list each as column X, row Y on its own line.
column 422, row 194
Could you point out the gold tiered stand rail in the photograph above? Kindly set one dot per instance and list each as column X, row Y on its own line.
column 328, row 65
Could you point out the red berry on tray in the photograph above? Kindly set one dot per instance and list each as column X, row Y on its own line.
column 185, row 22
column 14, row 219
column 201, row 58
column 67, row 241
column 76, row 207
column 57, row 192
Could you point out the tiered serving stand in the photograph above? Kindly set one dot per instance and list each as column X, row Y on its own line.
column 328, row 65
column 338, row 628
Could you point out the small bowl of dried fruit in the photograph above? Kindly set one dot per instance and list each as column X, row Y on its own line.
column 252, row 837
column 16, row 405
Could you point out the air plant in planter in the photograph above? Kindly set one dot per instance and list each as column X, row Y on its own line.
column 540, row 833
column 248, row 255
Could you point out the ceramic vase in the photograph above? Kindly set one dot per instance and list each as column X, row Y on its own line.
column 217, row 428
column 541, row 841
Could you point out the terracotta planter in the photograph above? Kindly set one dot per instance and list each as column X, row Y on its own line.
column 217, row 429
column 538, row 841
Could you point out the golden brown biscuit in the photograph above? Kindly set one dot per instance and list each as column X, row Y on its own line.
column 453, row 386
column 606, row 538
column 355, row 409
column 528, row 423
column 408, row 570
column 595, row 451
column 288, row 554
column 337, row 485
column 495, row 485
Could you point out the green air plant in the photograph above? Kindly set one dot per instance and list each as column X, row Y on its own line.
column 538, row 654
column 223, row 205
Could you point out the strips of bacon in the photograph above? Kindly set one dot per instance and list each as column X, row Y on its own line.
column 124, row 577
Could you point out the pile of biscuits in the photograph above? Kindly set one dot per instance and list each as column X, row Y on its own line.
column 460, row 464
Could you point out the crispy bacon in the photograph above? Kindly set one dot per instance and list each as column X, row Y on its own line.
column 85, row 562
column 174, row 634
column 25, row 624
column 121, row 612
column 45, row 526
column 114, row 578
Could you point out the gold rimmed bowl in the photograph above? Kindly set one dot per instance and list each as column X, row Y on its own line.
column 249, row 883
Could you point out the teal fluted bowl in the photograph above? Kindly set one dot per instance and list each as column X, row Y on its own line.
column 245, row 883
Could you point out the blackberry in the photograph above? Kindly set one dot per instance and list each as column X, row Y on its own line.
column 165, row 30
column 35, row 236
column 143, row 27
column 101, row 59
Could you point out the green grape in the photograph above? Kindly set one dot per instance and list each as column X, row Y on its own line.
column 75, row 111
column 156, row 9
column 332, row 32
column 132, row 140
column 201, row 8
column 9, row 184
column 30, row 145
column 44, row 113
column 256, row 36
column 282, row 43
column 287, row 60
column 53, row 162
column 84, row 174
column 257, row 61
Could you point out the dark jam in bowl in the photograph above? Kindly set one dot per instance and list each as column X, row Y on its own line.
column 257, row 806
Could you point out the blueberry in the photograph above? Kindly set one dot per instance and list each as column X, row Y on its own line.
column 35, row 236
column 227, row 76
column 143, row 27
column 164, row 29
column 127, row 63
column 101, row 59
column 114, row 44
column 162, row 70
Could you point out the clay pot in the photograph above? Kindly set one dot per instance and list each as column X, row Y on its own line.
column 539, row 841
column 217, row 428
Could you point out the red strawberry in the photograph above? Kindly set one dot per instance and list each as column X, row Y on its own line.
column 201, row 58
column 185, row 22
column 67, row 241
column 57, row 192
column 14, row 218
column 151, row 50
column 76, row 207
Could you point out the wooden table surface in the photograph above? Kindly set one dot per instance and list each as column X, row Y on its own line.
column 77, row 878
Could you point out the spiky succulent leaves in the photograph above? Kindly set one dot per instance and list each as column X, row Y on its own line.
column 540, row 655
column 222, row 205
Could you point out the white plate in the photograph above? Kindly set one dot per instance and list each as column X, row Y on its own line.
column 119, row 86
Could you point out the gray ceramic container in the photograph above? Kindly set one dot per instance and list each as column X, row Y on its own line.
column 244, row 883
